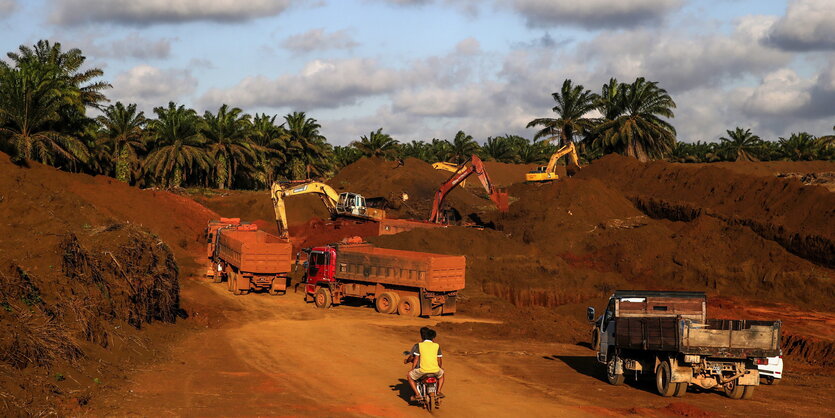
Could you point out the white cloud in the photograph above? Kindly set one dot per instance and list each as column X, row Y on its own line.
column 7, row 7
column 592, row 13
column 150, row 86
column 146, row 12
column 320, row 84
column 131, row 46
column 469, row 46
column 681, row 62
column 808, row 25
column 318, row 40
column 783, row 95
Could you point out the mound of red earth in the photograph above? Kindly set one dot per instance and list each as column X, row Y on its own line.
column 798, row 217
column 577, row 239
column 85, row 264
column 375, row 177
column 505, row 175
column 257, row 206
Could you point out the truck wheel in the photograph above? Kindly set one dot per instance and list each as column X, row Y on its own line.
column 323, row 298
column 681, row 389
column 663, row 380
column 217, row 277
column 733, row 390
column 748, row 393
column 387, row 303
column 614, row 379
column 235, row 289
column 409, row 306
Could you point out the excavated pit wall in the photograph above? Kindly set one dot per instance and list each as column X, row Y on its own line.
column 799, row 218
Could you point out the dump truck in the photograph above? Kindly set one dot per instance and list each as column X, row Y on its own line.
column 247, row 258
column 668, row 335
column 409, row 283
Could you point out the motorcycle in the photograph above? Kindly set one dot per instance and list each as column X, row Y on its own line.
column 427, row 387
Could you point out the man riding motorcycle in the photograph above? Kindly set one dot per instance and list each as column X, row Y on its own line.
column 426, row 358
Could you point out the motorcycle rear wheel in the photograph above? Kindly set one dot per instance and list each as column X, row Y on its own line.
column 430, row 402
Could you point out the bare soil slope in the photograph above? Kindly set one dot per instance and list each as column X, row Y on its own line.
column 84, row 266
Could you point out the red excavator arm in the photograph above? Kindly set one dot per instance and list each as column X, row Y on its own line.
column 498, row 197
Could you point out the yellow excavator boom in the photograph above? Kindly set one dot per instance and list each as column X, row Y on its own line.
column 345, row 204
column 548, row 172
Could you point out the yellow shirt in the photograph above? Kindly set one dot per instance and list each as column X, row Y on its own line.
column 428, row 352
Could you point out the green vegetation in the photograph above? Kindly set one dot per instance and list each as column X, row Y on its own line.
column 46, row 97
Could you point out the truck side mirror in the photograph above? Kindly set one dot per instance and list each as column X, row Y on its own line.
column 590, row 313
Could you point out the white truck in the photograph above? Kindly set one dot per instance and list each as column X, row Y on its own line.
column 668, row 334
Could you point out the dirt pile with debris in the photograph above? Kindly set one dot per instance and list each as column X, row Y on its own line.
column 257, row 206
column 375, row 177
column 85, row 265
column 798, row 217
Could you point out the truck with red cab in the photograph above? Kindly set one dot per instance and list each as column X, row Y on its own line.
column 409, row 283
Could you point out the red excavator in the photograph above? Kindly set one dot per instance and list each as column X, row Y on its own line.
column 500, row 198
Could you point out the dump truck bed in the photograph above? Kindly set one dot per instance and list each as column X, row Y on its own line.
column 433, row 272
column 714, row 337
column 255, row 251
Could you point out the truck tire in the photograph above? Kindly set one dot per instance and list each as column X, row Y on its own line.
column 323, row 298
column 217, row 277
column 235, row 289
column 681, row 389
column 663, row 379
column 386, row 303
column 748, row 393
column 409, row 306
column 229, row 279
column 614, row 379
column 733, row 390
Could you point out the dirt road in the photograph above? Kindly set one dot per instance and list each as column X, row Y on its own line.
column 278, row 356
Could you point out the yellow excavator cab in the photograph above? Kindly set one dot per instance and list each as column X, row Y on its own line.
column 548, row 173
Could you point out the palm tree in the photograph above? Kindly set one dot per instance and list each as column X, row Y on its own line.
column 122, row 128
column 798, row 147
column 573, row 103
column 272, row 140
column 610, row 102
column 827, row 141
column 30, row 101
column 345, row 156
column 463, row 146
column 639, row 131
column 416, row 149
column 441, row 149
column 376, row 144
column 537, row 152
column 741, row 145
column 228, row 143
column 498, row 148
column 308, row 151
column 178, row 148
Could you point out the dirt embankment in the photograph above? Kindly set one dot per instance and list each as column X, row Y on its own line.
column 257, row 206
column 375, row 177
column 85, row 264
column 798, row 217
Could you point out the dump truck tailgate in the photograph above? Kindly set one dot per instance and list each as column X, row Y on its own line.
column 433, row 272
column 255, row 251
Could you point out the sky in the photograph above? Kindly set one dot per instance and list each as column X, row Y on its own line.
column 423, row 69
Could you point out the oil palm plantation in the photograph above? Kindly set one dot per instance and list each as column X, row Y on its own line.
column 122, row 133
column 228, row 144
column 574, row 102
column 639, row 131
column 463, row 146
column 272, row 140
column 441, row 149
column 308, row 152
column 498, row 148
column 31, row 98
column 178, row 151
column 800, row 146
column 376, row 144
column 416, row 149
column 741, row 145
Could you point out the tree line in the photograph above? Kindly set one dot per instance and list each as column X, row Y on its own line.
column 46, row 98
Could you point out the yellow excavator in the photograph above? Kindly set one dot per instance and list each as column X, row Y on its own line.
column 548, row 172
column 451, row 167
column 351, row 205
